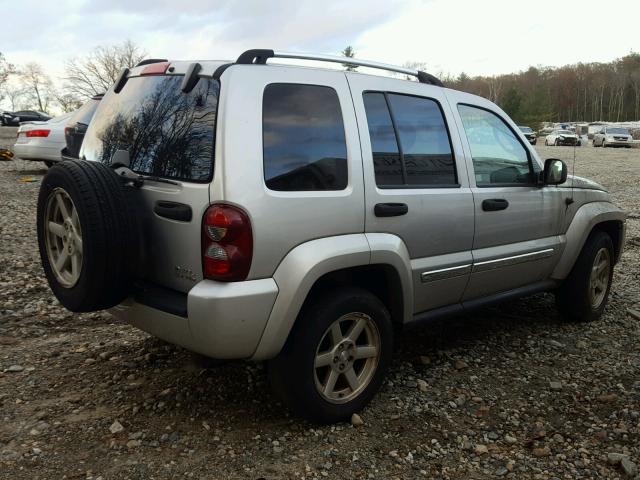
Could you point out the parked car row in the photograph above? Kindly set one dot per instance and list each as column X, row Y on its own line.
column 53, row 139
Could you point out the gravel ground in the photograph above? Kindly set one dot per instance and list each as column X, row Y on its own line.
column 510, row 391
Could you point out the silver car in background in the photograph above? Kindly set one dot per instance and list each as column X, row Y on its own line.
column 41, row 141
column 613, row 137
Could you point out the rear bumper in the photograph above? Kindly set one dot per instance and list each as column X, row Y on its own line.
column 27, row 151
column 221, row 320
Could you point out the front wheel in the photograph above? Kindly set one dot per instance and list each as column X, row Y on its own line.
column 584, row 294
column 335, row 357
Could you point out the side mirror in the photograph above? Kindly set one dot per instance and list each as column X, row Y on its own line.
column 555, row 171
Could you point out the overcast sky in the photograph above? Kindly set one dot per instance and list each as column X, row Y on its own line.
column 449, row 36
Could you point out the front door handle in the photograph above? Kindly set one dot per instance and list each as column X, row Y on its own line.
column 390, row 209
column 494, row 204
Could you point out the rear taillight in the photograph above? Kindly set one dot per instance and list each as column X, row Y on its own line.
column 227, row 243
column 37, row 133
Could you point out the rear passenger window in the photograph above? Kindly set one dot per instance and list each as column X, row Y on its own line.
column 303, row 138
column 409, row 141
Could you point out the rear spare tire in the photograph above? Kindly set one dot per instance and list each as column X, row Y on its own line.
column 87, row 235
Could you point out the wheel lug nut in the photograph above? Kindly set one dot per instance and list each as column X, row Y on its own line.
column 335, row 359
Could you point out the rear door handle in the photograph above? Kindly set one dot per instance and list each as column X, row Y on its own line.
column 494, row 204
column 173, row 211
column 390, row 209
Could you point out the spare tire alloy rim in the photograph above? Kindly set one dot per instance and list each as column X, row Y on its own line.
column 347, row 357
column 63, row 238
column 599, row 280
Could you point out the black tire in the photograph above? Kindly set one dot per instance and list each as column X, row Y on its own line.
column 546, row 143
column 556, row 143
column 572, row 298
column 109, row 235
column 292, row 372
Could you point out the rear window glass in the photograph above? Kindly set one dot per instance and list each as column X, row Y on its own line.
column 166, row 133
column 303, row 138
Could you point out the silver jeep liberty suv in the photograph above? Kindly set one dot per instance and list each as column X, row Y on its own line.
column 249, row 210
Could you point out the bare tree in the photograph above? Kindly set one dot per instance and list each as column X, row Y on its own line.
column 95, row 73
column 6, row 69
column 68, row 102
column 37, row 85
column 14, row 95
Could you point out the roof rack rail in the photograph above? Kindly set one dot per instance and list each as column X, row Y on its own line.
column 151, row 60
column 260, row 56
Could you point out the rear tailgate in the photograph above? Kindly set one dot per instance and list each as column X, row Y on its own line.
column 169, row 134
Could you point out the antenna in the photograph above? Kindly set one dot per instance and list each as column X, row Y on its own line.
column 569, row 201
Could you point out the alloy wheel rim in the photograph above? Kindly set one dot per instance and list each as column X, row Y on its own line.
column 599, row 278
column 347, row 357
column 63, row 238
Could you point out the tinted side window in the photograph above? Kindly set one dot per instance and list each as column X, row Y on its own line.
column 409, row 141
column 386, row 156
column 498, row 156
column 303, row 138
column 424, row 140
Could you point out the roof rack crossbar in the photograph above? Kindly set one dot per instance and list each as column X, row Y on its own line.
column 257, row 56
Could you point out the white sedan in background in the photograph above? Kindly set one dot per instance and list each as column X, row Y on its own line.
column 562, row 137
column 41, row 141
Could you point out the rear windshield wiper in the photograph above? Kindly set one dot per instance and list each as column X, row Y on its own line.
column 138, row 179
column 120, row 159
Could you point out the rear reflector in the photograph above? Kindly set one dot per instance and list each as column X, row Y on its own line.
column 155, row 68
column 37, row 133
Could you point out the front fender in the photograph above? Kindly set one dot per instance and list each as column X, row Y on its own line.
column 306, row 263
column 587, row 217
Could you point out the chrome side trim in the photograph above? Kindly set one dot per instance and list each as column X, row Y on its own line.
column 442, row 273
column 508, row 261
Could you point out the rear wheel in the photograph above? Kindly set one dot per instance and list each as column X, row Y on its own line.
column 335, row 357
column 584, row 294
